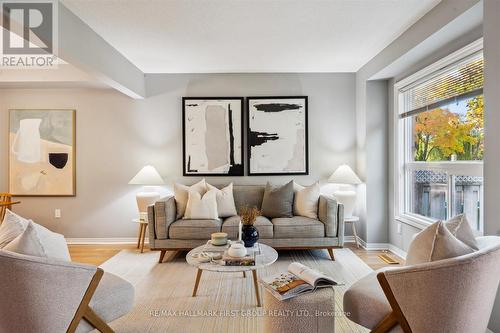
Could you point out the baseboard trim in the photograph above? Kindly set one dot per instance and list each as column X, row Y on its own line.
column 114, row 240
column 132, row 240
column 397, row 251
column 377, row 246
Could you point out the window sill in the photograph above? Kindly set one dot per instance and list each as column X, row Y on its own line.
column 413, row 221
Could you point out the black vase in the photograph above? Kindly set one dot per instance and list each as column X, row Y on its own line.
column 249, row 235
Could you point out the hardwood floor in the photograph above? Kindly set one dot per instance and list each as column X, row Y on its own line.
column 371, row 257
column 97, row 254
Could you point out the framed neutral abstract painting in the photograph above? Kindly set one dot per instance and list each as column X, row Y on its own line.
column 277, row 136
column 212, row 136
column 42, row 152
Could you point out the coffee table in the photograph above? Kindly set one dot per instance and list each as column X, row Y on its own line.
column 266, row 257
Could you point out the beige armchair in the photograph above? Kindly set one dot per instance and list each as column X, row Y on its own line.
column 46, row 295
column 453, row 295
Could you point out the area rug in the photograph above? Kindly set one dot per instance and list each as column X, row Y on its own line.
column 225, row 302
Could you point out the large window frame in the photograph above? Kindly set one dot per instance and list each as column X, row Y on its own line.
column 403, row 157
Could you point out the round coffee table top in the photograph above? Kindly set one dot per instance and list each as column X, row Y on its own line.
column 265, row 256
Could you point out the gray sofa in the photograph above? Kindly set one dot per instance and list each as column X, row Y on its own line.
column 167, row 233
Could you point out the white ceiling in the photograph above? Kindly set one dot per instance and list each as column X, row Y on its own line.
column 215, row 36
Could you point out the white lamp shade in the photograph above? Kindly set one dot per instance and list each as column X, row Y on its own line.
column 147, row 176
column 344, row 175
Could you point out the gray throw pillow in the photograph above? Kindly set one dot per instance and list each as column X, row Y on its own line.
column 278, row 201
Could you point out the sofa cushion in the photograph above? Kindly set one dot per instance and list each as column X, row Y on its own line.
column 305, row 202
column 298, row 227
column 113, row 298
column 248, row 195
column 193, row 229
column 460, row 228
column 225, row 200
column 263, row 225
column 435, row 243
column 201, row 206
column 39, row 241
column 181, row 193
column 365, row 302
column 12, row 226
column 278, row 201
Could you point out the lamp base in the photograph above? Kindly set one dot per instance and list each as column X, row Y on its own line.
column 348, row 199
column 145, row 199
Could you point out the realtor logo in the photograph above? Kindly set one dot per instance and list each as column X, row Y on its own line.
column 29, row 33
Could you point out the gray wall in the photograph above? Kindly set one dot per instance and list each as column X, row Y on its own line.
column 117, row 135
column 376, row 161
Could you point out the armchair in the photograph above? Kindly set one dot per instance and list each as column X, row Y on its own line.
column 452, row 295
column 47, row 295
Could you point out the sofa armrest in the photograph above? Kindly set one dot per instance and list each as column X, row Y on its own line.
column 160, row 216
column 151, row 226
column 331, row 214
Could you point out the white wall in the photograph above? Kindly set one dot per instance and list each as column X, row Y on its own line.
column 117, row 135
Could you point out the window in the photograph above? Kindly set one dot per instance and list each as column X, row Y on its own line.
column 440, row 128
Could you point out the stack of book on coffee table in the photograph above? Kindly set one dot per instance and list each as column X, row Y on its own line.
column 248, row 260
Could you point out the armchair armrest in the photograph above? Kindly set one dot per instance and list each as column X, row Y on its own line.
column 160, row 216
column 451, row 295
column 331, row 214
column 48, row 292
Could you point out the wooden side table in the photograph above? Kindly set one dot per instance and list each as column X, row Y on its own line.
column 353, row 219
column 143, row 226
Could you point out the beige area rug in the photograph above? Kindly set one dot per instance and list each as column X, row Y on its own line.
column 163, row 292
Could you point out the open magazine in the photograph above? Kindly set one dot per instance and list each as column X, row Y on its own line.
column 299, row 279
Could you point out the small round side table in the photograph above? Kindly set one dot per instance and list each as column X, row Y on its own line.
column 143, row 226
column 353, row 219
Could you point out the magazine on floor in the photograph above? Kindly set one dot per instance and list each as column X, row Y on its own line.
column 299, row 279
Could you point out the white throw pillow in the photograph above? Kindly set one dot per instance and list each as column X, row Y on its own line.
column 181, row 193
column 12, row 226
column 39, row 241
column 460, row 228
column 202, row 207
column 305, row 202
column 225, row 200
column 434, row 243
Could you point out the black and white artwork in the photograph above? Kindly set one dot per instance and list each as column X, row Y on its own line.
column 213, row 136
column 277, row 141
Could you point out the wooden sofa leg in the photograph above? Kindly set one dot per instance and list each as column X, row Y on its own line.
column 162, row 255
column 330, row 252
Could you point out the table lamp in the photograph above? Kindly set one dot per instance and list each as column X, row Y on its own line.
column 346, row 178
column 149, row 178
